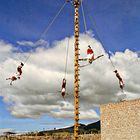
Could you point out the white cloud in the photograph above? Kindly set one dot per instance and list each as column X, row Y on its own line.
column 37, row 92
column 2, row 131
column 38, row 43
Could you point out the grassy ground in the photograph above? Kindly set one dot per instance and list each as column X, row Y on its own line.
column 81, row 137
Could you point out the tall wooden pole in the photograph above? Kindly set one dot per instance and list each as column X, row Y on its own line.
column 76, row 71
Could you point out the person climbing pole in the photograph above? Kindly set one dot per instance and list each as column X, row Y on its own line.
column 90, row 54
column 12, row 78
column 63, row 90
column 19, row 70
column 121, row 83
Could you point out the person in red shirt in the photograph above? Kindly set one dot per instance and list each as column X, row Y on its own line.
column 90, row 54
column 63, row 90
column 19, row 70
column 121, row 83
column 13, row 78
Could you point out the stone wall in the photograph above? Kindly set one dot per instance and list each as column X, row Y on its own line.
column 90, row 137
column 120, row 121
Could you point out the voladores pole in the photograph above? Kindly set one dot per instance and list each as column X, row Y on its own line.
column 76, row 70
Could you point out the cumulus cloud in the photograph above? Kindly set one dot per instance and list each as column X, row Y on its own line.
column 38, row 43
column 37, row 92
column 138, row 52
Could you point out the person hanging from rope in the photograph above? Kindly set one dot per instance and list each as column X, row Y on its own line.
column 12, row 78
column 19, row 70
column 63, row 90
column 121, row 83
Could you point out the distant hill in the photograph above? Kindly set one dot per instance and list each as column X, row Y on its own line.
column 90, row 128
column 95, row 125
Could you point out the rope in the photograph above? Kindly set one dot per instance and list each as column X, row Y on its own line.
column 103, row 45
column 27, row 58
column 67, row 51
column 67, row 58
column 97, row 33
column 83, row 14
column 98, row 36
column 46, row 30
column 48, row 27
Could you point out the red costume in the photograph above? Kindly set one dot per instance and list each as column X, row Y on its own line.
column 13, row 78
column 89, row 51
column 90, row 54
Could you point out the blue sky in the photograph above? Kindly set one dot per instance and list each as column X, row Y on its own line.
column 117, row 24
column 117, row 21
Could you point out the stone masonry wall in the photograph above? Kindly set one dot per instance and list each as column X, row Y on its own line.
column 120, row 121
